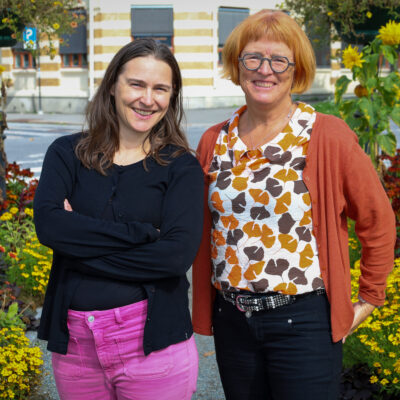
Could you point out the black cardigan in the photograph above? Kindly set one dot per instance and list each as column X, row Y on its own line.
column 153, row 242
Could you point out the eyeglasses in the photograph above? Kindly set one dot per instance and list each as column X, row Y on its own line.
column 278, row 64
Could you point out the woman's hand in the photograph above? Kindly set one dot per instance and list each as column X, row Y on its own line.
column 67, row 206
column 361, row 312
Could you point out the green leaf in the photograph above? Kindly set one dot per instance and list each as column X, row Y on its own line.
column 387, row 143
column 347, row 108
column 327, row 107
column 341, row 87
column 371, row 65
column 395, row 114
column 12, row 310
column 371, row 83
column 367, row 109
column 389, row 53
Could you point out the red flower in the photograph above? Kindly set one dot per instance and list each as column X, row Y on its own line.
column 2, row 249
column 12, row 255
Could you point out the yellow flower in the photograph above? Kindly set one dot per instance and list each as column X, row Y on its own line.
column 377, row 365
column 352, row 58
column 13, row 210
column 29, row 212
column 387, row 371
column 369, row 14
column 390, row 33
column 330, row 13
column 395, row 380
column 384, row 382
column 6, row 216
column 373, row 379
column 56, row 26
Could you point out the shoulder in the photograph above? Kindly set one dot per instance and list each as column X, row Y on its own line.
column 210, row 136
column 205, row 149
column 332, row 129
column 66, row 142
column 185, row 160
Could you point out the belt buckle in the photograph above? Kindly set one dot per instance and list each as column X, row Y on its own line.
column 247, row 312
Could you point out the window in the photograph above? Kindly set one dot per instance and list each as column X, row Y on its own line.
column 228, row 18
column 23, row 59
column 153, row 22
column 73, row 48
column 74, row 60
column 318, row 31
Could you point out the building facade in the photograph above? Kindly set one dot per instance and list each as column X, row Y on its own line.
column 195, row 32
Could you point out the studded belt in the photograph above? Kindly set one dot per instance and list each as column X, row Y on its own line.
column 248, row 303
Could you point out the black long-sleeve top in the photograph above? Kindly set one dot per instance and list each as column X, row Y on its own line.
column 152, row 242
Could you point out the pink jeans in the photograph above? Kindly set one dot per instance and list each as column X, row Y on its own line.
column 105, row 360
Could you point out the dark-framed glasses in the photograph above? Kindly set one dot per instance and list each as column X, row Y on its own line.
column 278, row 64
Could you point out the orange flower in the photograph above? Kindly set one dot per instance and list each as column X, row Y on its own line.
column 12, row 255
column 74, row 24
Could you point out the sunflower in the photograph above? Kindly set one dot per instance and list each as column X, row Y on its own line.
column 390, row 33
column 352, row 58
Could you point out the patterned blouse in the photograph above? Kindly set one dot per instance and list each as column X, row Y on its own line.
column 262, row 237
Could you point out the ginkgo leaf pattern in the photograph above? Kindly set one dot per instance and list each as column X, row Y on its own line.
column 262, row 235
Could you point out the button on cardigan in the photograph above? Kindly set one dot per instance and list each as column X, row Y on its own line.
column 342, row 183
column 153, row 242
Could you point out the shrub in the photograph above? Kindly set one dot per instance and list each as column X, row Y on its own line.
column 391, row 177
column 30, row 267
column 19, row 364
column 376, row 342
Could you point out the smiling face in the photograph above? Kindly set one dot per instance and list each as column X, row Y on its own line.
column 142, row 95
column 265, row 87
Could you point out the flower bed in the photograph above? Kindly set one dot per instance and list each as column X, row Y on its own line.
column 19, row 364
column 376, row 342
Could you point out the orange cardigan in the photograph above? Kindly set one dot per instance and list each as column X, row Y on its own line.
column 342, row 183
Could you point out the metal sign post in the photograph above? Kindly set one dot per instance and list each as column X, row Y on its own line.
column 31, row 42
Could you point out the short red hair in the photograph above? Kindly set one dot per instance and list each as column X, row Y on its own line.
column 276, row 26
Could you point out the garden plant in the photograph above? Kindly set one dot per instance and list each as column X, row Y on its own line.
column 378, row 93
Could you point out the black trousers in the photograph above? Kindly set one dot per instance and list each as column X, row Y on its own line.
column 281, row 354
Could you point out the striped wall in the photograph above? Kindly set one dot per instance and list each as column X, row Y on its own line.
column 195, row 46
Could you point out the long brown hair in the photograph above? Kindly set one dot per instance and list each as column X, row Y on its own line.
column 99, row 143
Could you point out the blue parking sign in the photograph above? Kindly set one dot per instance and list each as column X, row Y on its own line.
column 29, row 36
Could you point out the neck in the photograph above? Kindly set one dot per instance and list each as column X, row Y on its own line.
column 259, row 125
column 267, row 116
column 132, row 148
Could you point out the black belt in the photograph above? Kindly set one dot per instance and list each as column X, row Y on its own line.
column 248, row 303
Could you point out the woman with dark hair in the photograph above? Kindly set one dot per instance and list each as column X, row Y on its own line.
column 121, row 206
column 282, row 179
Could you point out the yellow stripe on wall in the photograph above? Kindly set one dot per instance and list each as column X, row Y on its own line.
column 106, row 49
column 112, row 17
column 193, row 32
column 6, row 52
column 197, row 81
column 195, row 65
column 193, row 49
column 50, row 82
column 192, row 15
column 100, row 65
column 50, row 67
column 101, row 33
